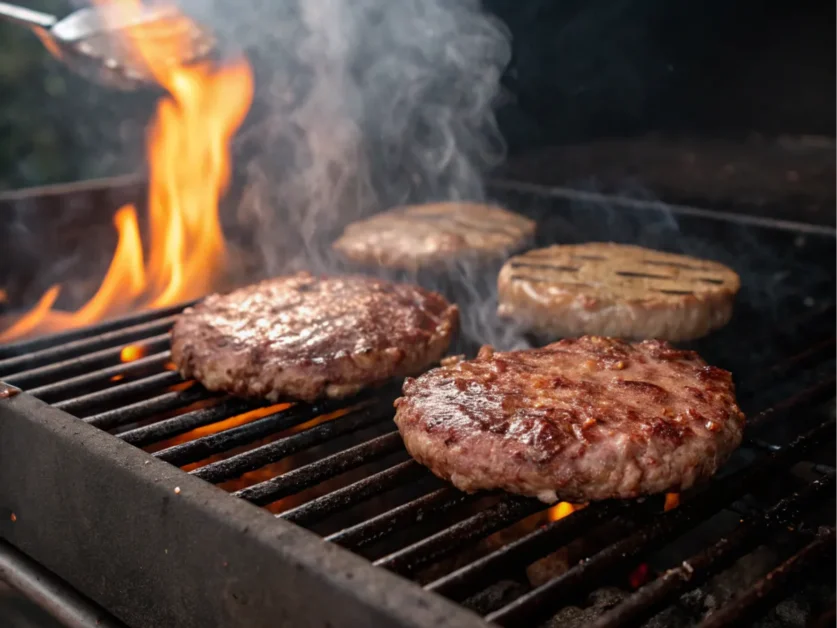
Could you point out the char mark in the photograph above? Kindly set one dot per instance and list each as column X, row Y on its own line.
column 681, row 292
column 549, row 281
column 672, row 264
column 597, row 258
column 544, row 266
column 629, row 273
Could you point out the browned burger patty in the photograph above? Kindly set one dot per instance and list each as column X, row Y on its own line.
column 307, row 337
column 583, row 419
column 430, row 235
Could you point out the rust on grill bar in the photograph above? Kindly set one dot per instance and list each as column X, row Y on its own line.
column 339, row 469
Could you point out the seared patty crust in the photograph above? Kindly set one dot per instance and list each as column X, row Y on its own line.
column 306, row 337
column 616, row 290
column 581, row 419
column 430, row 235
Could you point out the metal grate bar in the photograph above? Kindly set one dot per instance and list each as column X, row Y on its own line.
column 818, row 393
column 696, row 570
column 50, row 592
column 434, row 503
column 816, row 353
column 183, row 423
column 148, row 407
column 144, row 387
column 43, row 342
column 83, row 364
column 774, row 586
column 84, row 382
column 273, row 452
column 355, row 493
column 52, row 355
column 715, row 496
column 470, row 578
column 314, row 473
column 206, row 446
column 449, row 540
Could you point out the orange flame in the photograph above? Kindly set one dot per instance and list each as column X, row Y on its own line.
column 226, row 424
column 563, row 509
column 131, row 353
column 672, row 501
column 189, row 163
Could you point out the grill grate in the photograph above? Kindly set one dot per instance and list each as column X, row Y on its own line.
column 339, row 469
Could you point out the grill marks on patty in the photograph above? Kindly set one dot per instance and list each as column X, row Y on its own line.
column 607, row 269
column 412, row 236
column 617, row 290
column 591, row 418
column 306, row 337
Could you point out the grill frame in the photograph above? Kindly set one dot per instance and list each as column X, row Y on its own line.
column 141, row 573
column 136, row 572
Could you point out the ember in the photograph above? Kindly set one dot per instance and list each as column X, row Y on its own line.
column 672, row 501
column 131, row 353
column 639, row 576
column 563, row 509
column 188, row 153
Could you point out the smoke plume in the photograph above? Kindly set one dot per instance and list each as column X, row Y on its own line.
column 362, row 105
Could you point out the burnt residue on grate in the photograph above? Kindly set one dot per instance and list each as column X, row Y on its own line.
column 755, row 543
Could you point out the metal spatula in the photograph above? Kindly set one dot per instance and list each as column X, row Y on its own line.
column 96, row 41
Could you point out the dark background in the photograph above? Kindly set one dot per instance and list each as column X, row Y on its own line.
column 583, row 71
column 586, row 69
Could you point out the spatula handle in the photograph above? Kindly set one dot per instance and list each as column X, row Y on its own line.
column 25, row 17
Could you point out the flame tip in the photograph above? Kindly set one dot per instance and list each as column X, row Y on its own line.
column 188, row 152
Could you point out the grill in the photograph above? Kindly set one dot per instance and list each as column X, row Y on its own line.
column 170, row 506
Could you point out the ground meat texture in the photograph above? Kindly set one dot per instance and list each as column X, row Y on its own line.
column 305, row 337
column 434, row 234
column 581, row 419
column 620, row 290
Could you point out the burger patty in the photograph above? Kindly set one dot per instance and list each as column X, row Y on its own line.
column 616, row 290
column 307, row 337
column 434, row 234
column 581, row 419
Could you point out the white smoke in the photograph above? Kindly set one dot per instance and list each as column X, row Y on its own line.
column 361, row 105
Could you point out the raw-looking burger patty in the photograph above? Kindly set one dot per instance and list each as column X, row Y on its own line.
column 308, row 337
column 417, row 236
column 616, row 290
column 581, row 419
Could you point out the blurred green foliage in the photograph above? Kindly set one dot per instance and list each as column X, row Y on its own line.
column 55, row 126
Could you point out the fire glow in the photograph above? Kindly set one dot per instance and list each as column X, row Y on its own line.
column 563, row 509
column 189, row 171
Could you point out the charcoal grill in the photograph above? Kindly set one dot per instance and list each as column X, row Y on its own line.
column 145, row 501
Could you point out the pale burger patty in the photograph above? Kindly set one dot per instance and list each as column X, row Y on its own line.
column 581, row 419
column 306, row 337
column 619, row 290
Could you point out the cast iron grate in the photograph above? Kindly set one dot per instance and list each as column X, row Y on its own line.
column 340, row 470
